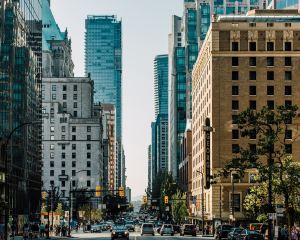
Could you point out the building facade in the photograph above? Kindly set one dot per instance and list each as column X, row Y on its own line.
column 103, row 61
column 20, row 107
column 72, row 135
column 245, row 62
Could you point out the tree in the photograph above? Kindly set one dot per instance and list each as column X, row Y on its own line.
column 91, row 213
column 179, row 209
column 59, row 209
column 272, row 130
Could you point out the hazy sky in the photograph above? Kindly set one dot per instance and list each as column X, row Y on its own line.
column 146, row 24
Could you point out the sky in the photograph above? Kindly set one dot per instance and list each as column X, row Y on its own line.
column 145, row 28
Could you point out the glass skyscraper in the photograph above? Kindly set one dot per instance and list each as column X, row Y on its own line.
column 103, row 61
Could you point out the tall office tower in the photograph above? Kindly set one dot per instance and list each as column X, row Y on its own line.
column 72, row 135
column 283, row 4
column 149, row 150
column 57, row 52
column 103, row 61
column 245, row 62
column 20, row 107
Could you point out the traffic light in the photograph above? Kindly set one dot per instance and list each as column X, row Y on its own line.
column 145, row 200
column 121, row 191
column 166, row 199
column 98, row 191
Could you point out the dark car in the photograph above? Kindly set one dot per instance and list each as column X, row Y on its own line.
column 188, row 229
column 176, row 228
column 119, row 231
column 234, row 233
column 222, row 231
column 147, row 228
column 130, row 226
column 247, row 234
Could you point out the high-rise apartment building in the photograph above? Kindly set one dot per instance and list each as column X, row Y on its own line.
column 103, row 61
column 20, row 103
column 246, row 61
column 149, row 167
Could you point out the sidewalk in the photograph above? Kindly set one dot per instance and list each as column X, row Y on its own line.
column 56, row 237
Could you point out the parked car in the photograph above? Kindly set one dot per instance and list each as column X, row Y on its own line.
column 96, row 228
column 167, row 229
column 222, row 231
column 234, row 233
column 188, row 229
column 130, row 226
column 119, row 231
column 176, row 228
column 247, row 234
column 147, row 228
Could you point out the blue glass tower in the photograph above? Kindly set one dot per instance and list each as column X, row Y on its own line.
column 103, row 61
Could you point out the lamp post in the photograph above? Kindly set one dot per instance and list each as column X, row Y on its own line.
column 202, row 200
column 6, row 182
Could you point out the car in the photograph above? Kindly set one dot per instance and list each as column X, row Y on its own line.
column 234, row 233
column 188, row 229
column 222, row 231
column 176, row 228
column 247, row 234
column 130, row 226
column 96, row 228
column 119, row 231
column 167, row 229
column 147, row 228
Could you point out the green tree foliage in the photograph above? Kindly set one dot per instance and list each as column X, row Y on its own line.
column 59, row 209
column 91, row 213
column 179, row 209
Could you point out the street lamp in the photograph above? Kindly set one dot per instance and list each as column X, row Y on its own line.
column 6, row 184
column 202, row 200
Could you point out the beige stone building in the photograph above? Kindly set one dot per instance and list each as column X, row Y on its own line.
column 245, row 62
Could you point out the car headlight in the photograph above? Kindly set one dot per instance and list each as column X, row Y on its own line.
column 113, row 233
column 126, row 233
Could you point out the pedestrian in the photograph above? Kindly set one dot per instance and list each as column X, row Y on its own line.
column 47, row 231
column 42, row 230
column 284, row 233
column 26, row 231
column 294, row 234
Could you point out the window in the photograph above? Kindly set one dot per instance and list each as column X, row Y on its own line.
column 235, row 134
column 88, row 137
column 53, row 96
column 288, row 103
column 270, row 24
column 63, row 183
column 252, row 75
column 88, row 164
column 88, row 128
column 73, row 146
column 252, row 46
column 235, row 104
column 235, row 119
column 235, row 148
column 53, row 87
column 64, row 105
column 288, row 61
column 73, row 164
column 236, row 202
column 235, row 75
column 288, row 148
column 52, row 182
column 51, row 163
column 270, row 75
column 88, row 155
column 63, row 128
column 88, row 146
column 270, row 61
column 75, row 97
column 235, row 90
column 75, row 105
column 64, row 96
column 252, row 134
column 75, row 88
column 51, row 154
column 270, row 46
column 234, row 46
column 73, row 183
column 235, row 61
column 75, row 113
column 270, row 90
column 252, row 104
column 288, row 46
column 51, row 146
column 51, row 129
column 51, row 120
column 64, row 87
column 63, row 155
column 288, row 75
column 252, row 148
column 252, row 90
column 288, row 134
column 270, row 104
column 63, row 164
column 51, row 173
column 63, row 147
column 288, row 90
column 73, row 137
column 88, row 183
column 73, row 155
column 252, row 61
column 88, row 172
column 73, row 129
